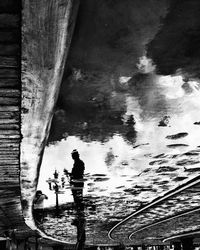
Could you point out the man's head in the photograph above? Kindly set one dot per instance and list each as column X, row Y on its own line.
column 75, row 154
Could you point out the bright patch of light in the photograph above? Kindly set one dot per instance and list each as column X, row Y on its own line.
column 194, row 85
column 169, row 81
column 124, row 79
column 145, row 65
column 172, row 86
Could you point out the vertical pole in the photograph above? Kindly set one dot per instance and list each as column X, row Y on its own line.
column 57, row 209
column 56, row 192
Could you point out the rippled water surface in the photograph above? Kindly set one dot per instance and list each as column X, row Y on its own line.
column 138, row 133
column 136, row 162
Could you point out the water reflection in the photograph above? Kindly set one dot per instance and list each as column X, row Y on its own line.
column 76, row 182
column 138, row 133
column 151, row 148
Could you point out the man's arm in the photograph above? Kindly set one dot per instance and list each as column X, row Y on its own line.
column 66, row 172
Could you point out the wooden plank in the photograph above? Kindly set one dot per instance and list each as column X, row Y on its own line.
column 9, row 147
column 11, row 157
column 4, row 145
column 12, row 195
column 10, row 173
column 9, row 184
column 8, row 121
column 9, row 36
column 8, row 151
column 9, row 167
column 10, row 189
column 14, row 136
column 9, row 131
column 9, row 73
column 13, row 141
column 11, row 82
column 9, row 162
column 9, row 115
column 9, row 49
column 9, row 101
column 9, row 62
column 9, row 108
column 10, row 6
column 10, row 178
column 9, row 92
column 9, row 20
column 9, row 126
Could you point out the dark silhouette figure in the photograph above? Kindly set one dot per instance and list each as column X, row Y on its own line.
column 76, row 179
column 80, row 223
column 77, row 184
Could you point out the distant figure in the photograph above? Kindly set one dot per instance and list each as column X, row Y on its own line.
column 164, row 122
column 38, row 206
column 76, row 179
column 130, row 121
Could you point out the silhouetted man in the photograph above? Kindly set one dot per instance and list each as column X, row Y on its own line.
column 76, row 179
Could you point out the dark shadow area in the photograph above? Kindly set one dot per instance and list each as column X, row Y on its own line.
column 91, row 102
column 176, row 45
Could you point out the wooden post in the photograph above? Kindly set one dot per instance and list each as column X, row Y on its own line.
column 57, row 206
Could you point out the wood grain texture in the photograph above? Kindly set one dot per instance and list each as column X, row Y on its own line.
column 10, row 135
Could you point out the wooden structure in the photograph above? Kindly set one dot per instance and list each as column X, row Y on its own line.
column 10, row 133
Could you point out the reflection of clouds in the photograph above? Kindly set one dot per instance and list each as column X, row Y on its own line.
column 118, row 170
column 153, row 96
column 171, row 86
column 110, row 158
column 124, row 79
column 136, row 159
column 146, row 65
column 191, row 87
column 93, row 154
